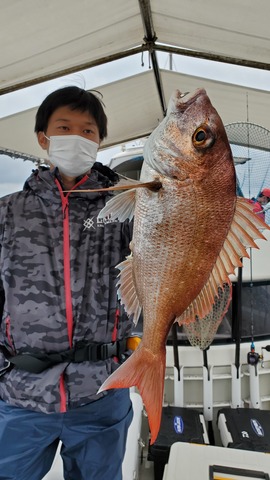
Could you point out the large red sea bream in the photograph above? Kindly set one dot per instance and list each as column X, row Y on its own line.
column 188, row 237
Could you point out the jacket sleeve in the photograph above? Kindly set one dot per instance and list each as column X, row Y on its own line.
column 2, row 301
column 127, row 231
column 2, row 293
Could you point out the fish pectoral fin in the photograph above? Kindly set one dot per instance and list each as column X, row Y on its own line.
column 119, row 207
column 201, row 329
column 126, row 289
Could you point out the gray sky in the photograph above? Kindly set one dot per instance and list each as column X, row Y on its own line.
column 13, row 172
column 12, row 178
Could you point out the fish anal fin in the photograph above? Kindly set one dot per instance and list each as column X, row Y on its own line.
column 120, row 207
column 146, row 371
column 126, row 289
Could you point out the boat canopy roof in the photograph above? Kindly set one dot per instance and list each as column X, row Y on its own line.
column 41, row 41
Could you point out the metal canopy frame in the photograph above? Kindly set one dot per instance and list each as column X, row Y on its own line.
column 176, row 27
column 149, row 44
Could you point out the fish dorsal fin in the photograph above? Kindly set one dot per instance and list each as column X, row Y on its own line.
column 120, row 207
column 213, row 300
column 126, row 289
column 202, row 330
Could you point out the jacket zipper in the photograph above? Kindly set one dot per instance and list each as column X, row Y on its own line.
column 115, row 329
column 8, row 333
column 67, row 282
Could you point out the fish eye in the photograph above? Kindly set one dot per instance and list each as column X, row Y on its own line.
column 200, row 136
column 203, row 137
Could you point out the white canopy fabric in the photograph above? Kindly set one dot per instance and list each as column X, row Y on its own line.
column 42, row 40
column 39, row 39
column 133, row 109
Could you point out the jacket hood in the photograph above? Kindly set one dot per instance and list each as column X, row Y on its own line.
column 42, row 183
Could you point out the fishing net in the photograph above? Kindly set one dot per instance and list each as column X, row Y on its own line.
column 250, row 144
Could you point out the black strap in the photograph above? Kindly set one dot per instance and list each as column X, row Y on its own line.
column 38, row 362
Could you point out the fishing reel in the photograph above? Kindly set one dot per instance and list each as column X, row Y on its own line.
column 267, row 348
column 253, row 357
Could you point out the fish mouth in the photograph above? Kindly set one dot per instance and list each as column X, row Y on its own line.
column 189, row 97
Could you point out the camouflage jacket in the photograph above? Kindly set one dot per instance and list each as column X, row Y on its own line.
column 58, row 283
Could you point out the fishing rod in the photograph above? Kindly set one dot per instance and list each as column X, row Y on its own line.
column 236, row 336
column 153, row 185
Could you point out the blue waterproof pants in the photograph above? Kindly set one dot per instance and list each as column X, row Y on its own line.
column 93, row 440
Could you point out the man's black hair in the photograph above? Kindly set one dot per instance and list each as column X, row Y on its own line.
column 76, row 99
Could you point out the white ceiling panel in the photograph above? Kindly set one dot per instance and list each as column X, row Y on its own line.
column 41, row 40
column 233, row 103
column 133, row 109
column 235, row 28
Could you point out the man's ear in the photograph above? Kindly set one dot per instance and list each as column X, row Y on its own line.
column 42, row 140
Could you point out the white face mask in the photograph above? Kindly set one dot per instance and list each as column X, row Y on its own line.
column 72, row 154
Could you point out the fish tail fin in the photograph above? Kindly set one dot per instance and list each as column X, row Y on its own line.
column 146, row 371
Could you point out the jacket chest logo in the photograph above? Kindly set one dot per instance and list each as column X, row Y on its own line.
column 89, row 223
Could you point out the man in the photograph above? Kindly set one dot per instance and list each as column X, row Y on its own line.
column 262, row 199
column 62, row 329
